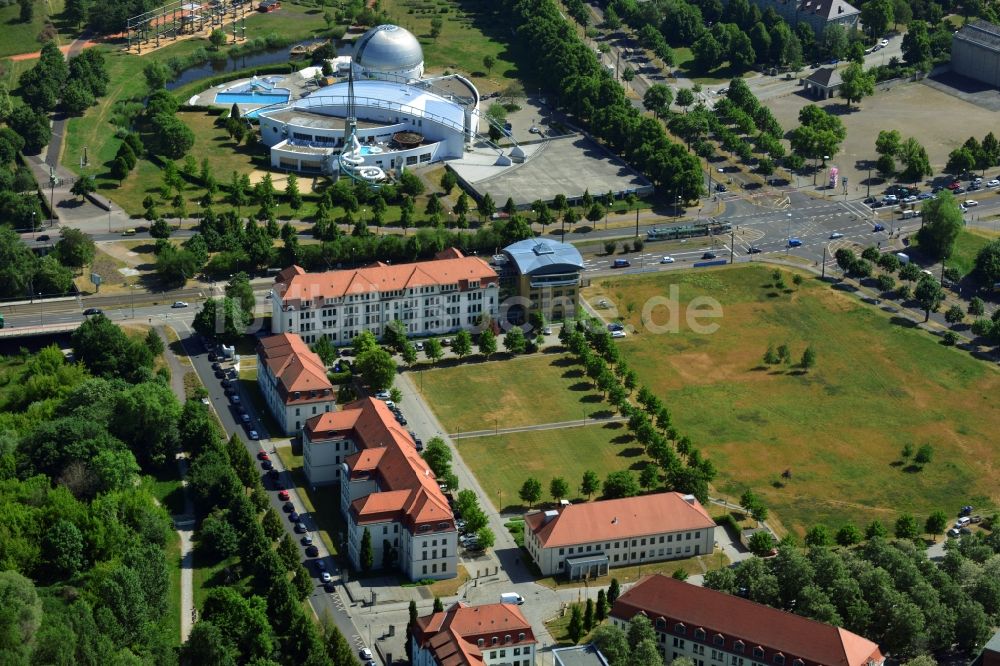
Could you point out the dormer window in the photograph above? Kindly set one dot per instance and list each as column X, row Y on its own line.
column 495, row 640
column 661, row 624
column 758, row 652
column 738, row 647
column 699, row 634
column 520, row 636
column 506, row 639
column 718, row 640
column 481, row 643
column 779, row 659
column 679, row 628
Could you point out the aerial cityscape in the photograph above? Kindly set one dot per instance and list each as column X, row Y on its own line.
column 500, row 333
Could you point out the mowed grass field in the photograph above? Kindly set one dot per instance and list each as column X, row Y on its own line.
column 840, row 427
column 503, row 463
column 526, row 390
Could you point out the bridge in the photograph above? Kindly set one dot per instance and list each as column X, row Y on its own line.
column 9, row 332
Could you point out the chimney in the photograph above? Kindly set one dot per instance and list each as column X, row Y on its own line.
column 690, row 499
column 614, row 521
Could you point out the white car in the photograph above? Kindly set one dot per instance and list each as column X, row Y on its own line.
column 325, row 577
column 969, row 203
column 419, row 346
column 236, row 399
column 254, row 435
column 993, row 183
column 382, row 395
column 618, row 334
column 667, row 260
column 884, row 43
column 179, row 304
column 365, row 654
column 835, row 235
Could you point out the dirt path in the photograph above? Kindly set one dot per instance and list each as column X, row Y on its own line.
column 65, row 48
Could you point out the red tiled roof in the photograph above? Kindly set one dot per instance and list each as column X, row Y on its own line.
column 735, row 618
column 296, row 368
column 295, row 287
column 453, row 634
column 619, row 519
column 387, row 451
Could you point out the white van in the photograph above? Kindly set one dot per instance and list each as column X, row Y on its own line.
column 511, row 598
column 963, row 521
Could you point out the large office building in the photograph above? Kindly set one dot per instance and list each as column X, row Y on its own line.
column 386, row 488
column 544, row 274
column 975, row 52
column 716, row 629
column 293, row 381
column 585, row 540
column 443, row 295
column 462, row 635
column 402, row 118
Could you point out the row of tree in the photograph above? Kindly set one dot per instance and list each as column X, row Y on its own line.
column 565, row 66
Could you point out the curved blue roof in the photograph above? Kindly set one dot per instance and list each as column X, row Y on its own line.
column 537, row 256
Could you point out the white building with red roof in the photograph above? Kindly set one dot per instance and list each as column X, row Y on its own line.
column 715, row 628
column 581, row 540
column 293, row 380
column 463, row 635
column 448, row 293
column 386, row 488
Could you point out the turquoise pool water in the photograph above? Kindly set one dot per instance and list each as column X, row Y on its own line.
column 251, row 98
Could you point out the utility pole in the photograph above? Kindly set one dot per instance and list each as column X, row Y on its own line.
column 868, row 183
column 52, row 194
column 732, row 245
column 636, row 221
column 824, row 262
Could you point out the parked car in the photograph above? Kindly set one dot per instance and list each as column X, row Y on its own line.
column 307, row 540
column 262, row 455
column 300, row 528
column 616, row 326
column 266, row 465
column 719, row 187
column 326, row 577
column 954, row 185
column 294, row 517
column 965, row 510
column 365, row 654
column 236, row 399
column 959, row 190
column 993, row 183
column 312, row 551
column 419, row 346
column 382, row 395
column 883, row 43
column 925, row 195
column 245, row 418
column 288, row 507
column 618, row 334
column 283, row 495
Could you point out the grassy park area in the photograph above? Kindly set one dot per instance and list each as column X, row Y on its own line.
column 21, row 37
column 527, row 390
column 838, row 428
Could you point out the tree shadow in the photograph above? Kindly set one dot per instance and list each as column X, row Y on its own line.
column 573, row 374
column 592, row 398
column 632, row 452
column 563, row 362
column 613, row 425
column 623, row 439
column 913, row 469
column 602, row 414
column 581, row 386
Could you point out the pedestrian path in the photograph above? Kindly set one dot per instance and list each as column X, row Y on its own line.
column 540, row 426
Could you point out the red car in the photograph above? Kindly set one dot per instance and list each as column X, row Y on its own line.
column 954, row 185
column 283, row 495
column 262, row 455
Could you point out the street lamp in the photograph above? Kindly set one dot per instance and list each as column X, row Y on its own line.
column 677, row 205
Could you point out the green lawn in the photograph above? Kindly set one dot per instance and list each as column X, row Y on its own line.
column 23, row 37
column 503, row 463
column 477, row 396
column 967, row 246
column 838, row 428
column 471, row 30
column 172, row 552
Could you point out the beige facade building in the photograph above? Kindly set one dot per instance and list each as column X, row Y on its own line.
column 717, row 629
column 293, row 380
column 462, row 635
column 583, row 540
column 975, row 52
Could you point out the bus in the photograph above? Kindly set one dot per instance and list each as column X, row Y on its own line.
column 1, row 321
column 687, row 231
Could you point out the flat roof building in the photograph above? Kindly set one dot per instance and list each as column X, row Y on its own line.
column 293, row 381
column 465, row 635
column 584, row 540
column 579, row 655
column 689, row 620
column 449, row 293
column 545, row 274
column 975, row 52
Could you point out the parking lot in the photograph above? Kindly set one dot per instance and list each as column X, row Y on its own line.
column 939, row 121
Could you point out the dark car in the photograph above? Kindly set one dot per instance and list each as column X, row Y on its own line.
column 266, row 464
column 966, row 510
column 312, row 551
column 401, row 419
column 877, row 204
column 709, row 255
column 288, row 507
column 753, row 249
column 294, row 517
column 300, row 528
column 93, row 311
column 719, row 187
column 620, row 263
column 43, row 237
column 273, row 474
column 216, row 366
column 870, row 200
column 878, row 227
column 329, row 586
column 959, row 190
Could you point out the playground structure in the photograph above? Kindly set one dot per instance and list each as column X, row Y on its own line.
column 184, row 18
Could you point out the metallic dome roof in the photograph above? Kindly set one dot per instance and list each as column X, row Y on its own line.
column 388, row 48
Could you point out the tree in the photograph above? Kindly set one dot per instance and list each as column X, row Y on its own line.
column 875, row 530
column 591, row 484
column 461, row 345
column 936, row 523
column 174, row 138
column 63, row 548
column 646, row 653
column 488, row 62
column 942, row 222
column 75, row 248
column 877, row 16
column 514, row 340
column 614, row 591
column 817, row 537
column 485, row 537
column 808, row 358
column 761, row 543
column 657, row 99
column 558, row 488
column 325, row 350
column 649, row 477
column 575, row 628
column 438, row 605
column 954, row 315
column 916, row 45
column 367, row 555
column 487, row 343
column 27, row 10
column 221, row 319
column 906, row 527
column 531, row 491
column 487, row 207
column 915, row 161
column 857, row 84
column 685, row 98
column 976, row 307
column 924, row 454
column 848, row 535
column 987, row 270
column 292, row 192
column 217, row 38
column 377, row 367
column 929, row 294
column 433, row 350
column 960, row 161
column 620, row 484
column 601, row 608
column 613, row 644
column 33, row 128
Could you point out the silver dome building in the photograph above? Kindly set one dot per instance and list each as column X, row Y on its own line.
column 389, row 52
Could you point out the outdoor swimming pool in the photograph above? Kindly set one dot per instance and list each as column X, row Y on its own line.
column 251, row 97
